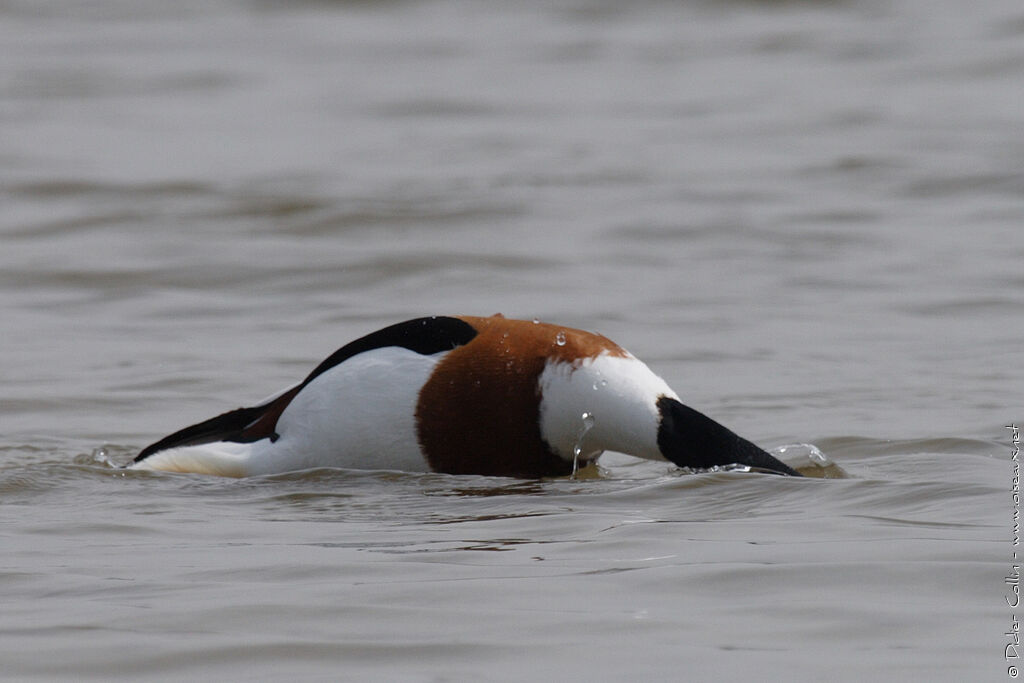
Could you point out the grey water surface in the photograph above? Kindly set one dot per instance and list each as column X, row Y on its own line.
column 806, row 216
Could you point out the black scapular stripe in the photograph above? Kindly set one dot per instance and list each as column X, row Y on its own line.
column 425, row 336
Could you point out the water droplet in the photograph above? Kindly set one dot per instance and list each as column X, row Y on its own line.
column 600, row 384
column 101, row 456
column 577, row 449
column 560, row 338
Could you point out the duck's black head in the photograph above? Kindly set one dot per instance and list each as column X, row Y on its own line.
column 690, row 439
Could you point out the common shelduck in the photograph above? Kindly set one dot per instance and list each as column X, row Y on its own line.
column 462, row 395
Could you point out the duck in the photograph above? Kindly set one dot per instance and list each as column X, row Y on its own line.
column 462, row 395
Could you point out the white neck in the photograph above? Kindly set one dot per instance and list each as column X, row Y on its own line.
column 619, row 395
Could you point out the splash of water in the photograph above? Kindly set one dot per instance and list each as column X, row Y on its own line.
column 577, row 449
column 809, row 459
column 806, row 450
column 101, row 456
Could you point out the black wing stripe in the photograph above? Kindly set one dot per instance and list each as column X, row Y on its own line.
column 221, row 428
column 425, row 336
